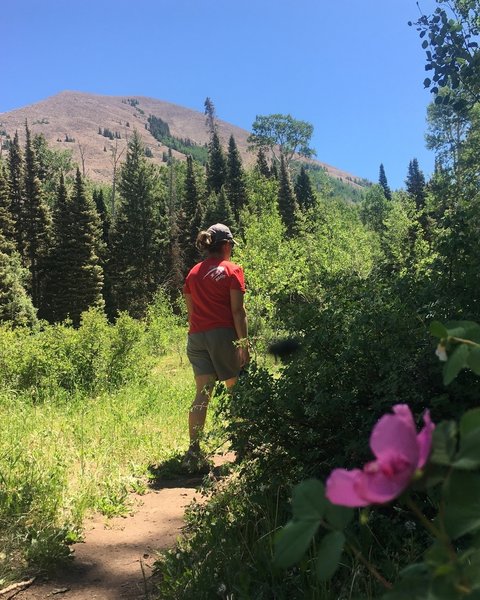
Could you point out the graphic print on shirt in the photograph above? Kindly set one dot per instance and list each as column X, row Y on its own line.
column 216, row 273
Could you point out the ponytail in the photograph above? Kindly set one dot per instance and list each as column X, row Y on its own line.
column 204, row 242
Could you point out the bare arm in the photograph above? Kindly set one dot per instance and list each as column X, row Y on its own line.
column 241, row 325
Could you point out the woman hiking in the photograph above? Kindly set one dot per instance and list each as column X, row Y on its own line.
column 217, row 344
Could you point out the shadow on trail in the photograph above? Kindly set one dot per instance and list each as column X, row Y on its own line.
column 172, row 474
column 116, row 560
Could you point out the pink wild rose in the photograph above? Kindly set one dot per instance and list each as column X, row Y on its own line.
column 399, row 451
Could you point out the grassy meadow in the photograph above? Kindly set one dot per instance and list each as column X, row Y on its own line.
column 84, row 413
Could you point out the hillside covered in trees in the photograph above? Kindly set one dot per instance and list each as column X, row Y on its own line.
column 70, row 244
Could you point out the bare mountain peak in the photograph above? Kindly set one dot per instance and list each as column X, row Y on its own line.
column 96, row 124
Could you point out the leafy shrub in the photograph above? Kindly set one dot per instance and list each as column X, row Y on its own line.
column 227, row 550
column 164, row 327
column 58, row 360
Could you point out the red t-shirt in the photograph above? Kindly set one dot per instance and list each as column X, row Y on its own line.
column 209, row 283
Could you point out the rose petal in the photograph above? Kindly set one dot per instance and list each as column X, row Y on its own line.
column 383, row 484
column 424, row 440
column 403, row 411
column 393, row 434
column 340, row 488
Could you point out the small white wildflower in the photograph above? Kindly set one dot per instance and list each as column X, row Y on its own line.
column 178, row 556
column 441, row 352
column 222, row 588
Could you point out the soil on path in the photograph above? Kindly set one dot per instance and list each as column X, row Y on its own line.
column 115, row 560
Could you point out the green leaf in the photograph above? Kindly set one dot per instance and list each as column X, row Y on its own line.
column 468, row 456
column 469, row 422
column 308, row 500
column 329, row 554
column 438, row 559
column 470, row 560
column 338, row 516
column 437, row 329
column 473, row 360
column 464, row 329
column 432, row 476
column 292, row 542
column 455, row 329
column 462, row 503
column 444, row 443
column 456, row 362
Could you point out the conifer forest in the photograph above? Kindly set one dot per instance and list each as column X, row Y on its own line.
column 356, row 425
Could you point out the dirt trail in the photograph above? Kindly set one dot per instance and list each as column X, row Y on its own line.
column 115, row 560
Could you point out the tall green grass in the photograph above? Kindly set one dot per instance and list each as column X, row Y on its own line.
column 84, row 413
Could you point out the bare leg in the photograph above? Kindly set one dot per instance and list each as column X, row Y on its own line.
column 198, row 410
column 229, row 383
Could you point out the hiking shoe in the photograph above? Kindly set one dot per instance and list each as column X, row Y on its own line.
column 194, row 462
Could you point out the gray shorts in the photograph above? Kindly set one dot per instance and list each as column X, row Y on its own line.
column 214, row 353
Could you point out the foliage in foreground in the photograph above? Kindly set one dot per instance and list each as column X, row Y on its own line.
column 228, row 549
column 441, row 472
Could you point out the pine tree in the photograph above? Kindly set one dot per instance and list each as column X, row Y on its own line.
column 7, row 224
column 224, row 211
column 100, row 204
column 106, row 226
column 57, row 304
column 138, row 239
column 216, row 165
column 382, row 180
column 190, row 197
column 210, row 116
column 86, row 274
column 176, row 220
column 17, row 191
column 15, row 304
column 287, row 203
column 36, row 223
column 235, row 180
column 416, row 189
column 262, row 165
column 75, row 278
column 303, row 190
column 193, row 210
column 274, row 170
column 415, row 183
column 219, row 211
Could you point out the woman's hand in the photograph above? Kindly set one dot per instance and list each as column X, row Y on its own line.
column 244, row 355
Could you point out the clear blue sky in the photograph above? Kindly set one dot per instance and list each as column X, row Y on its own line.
column 354, row 69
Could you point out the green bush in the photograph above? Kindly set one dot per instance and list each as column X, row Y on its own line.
column 58, row 360
column 165, row 328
